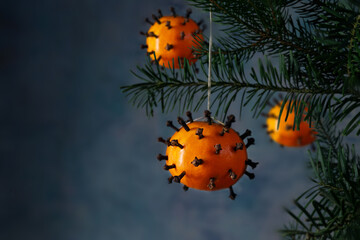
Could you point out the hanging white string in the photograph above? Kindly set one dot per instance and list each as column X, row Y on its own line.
column 209, row 70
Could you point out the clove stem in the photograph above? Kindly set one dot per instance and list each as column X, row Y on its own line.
column 183, row 123
column 207, row 114
column 173, row 11
column 188, row 113
column 251, row 141
column 167, row 142
column 176, row 143
column 170, row 124
column 232, row 195
column 178, row 178
column 167, row 167
column 251, row 163
column 250, row 175
column 161, row 157
column 156, row 19
column 246, row 134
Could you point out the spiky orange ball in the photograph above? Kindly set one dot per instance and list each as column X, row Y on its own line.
column 285, row 135
column 207, row 155
column 171, row 38
column 213, row 165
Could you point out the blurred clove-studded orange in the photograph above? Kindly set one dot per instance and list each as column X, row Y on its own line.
column 207, row 155
column 286, row 135
column 172, row 38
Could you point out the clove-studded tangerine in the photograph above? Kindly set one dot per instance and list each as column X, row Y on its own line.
column 285, row 134
column 172, row 38
column 207, row 155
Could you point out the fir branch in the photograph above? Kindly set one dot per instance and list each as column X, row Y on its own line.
column 313, row 35
column 303, row 89
column 335, row 203
column 252, row 20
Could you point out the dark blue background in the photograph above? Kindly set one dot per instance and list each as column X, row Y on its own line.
column 78, row 161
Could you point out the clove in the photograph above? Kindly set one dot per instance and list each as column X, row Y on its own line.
column 167, row 167
column 148, row 21
column 239, row 146
column 230, row 120
column 197, row 162
column 217, row 148
column 251, row 141
column 228, row 123
column 251, row 163
column 207, row 114
column 211, row 184
column 175, row 143
column 156, row 19
column 168, row 24
column 232, row 195
column 223, row 131
column 167, row 142
column 160, row 13
column 232, row 175
column 173, row 11
column 145, row 34
column 152, row 34
column 170, row 124
column 169, row 47
column 161, row 157
column 178, row 178
column 250, row 175
column 188, row 13
column 183, row 123
column 182, row 35
column 189, row 115
column 199, row 132
column 246, row 134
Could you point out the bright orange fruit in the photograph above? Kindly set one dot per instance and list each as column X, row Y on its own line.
column 285, row 135
column 207, row 155
column 172, row 38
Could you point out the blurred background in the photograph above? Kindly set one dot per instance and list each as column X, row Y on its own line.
column 78, row 162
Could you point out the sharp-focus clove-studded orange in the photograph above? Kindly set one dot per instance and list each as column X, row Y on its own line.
column 285, row 135
column 172, row 38
column 207, row 155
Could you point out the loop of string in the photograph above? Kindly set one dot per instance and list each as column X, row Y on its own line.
column 209, row 69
